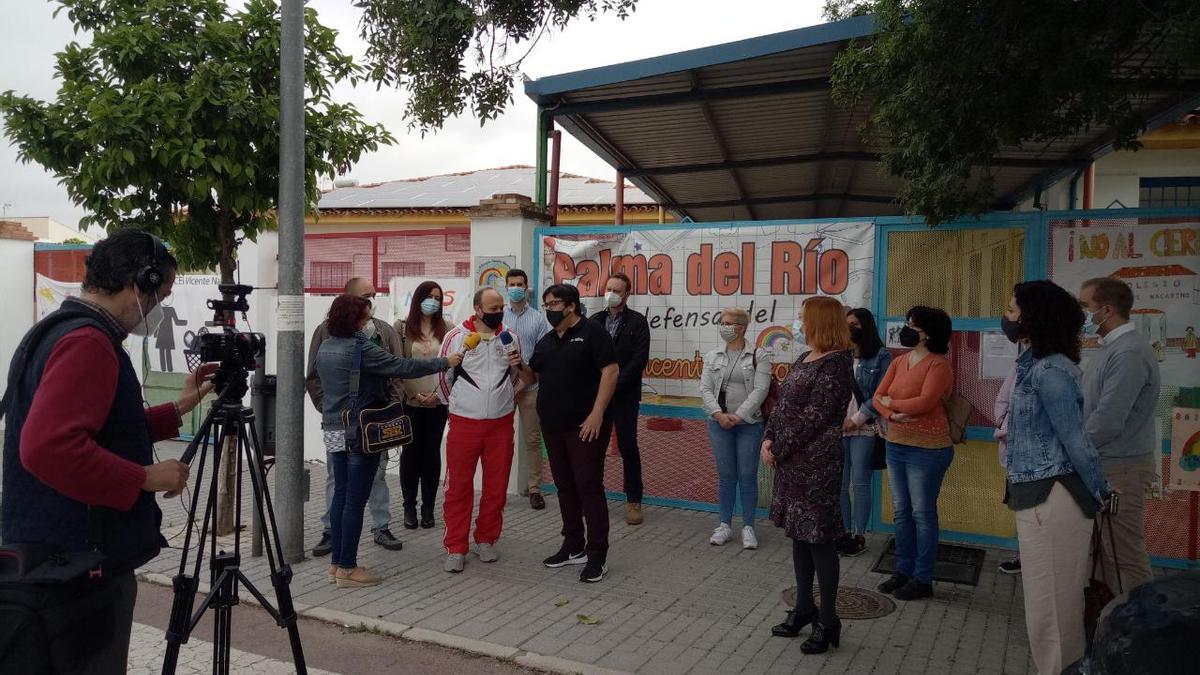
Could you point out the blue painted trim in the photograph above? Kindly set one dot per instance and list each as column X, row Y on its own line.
column 1174, row 563
column 980, row 433
column 963, row 537
column 542, row 90
column 1170, row 181
column 61, row 247
column 681, row 412
column 549, row 489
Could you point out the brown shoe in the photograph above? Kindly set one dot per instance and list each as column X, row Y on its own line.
column 537, row 501
column 633, row 514
column 358, row 577
column 333, row 573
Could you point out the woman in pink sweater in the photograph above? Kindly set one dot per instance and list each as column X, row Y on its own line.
column 919, row 449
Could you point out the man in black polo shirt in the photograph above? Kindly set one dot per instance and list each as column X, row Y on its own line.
column 577, row 370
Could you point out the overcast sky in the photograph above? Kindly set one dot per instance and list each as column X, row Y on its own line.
column 29, row 37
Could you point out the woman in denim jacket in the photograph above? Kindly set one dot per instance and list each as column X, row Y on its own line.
column 733, row 385
column 353, row 473
column 1055, row 484
column 871, row 362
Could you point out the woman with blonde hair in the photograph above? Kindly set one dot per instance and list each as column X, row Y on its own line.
column 804, row 444
column 733, row 386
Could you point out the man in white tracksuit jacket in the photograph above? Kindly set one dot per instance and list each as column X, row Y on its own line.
column 481, row 396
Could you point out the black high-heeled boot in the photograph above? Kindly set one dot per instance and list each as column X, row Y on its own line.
column 427, row 516
column 822, row 637
column 410, row 517
column 793, row 624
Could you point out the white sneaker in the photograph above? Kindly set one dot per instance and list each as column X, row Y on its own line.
column 455, row 563
column 749, row 541
column 722, row 534
column 486, row 553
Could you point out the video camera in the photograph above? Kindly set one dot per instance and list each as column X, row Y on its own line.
column 237, row 352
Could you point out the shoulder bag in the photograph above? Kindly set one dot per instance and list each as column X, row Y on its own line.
column 372, row 428
column 1098, row 594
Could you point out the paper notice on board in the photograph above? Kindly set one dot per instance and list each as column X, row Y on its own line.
column 996, row 356
column 289, row 312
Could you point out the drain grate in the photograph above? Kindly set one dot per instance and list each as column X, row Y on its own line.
column 852, row 602
column 955, row 564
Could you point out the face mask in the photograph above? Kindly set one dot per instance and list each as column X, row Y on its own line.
column 856, row 334
column 728, row 333
column 492, row 320
column 555, row 316
column 1090, row 327
column 369, row 329
column 798, row 330
column 612, row 299
column 1011, row 329
column 431, row 306
column 516, row 294
column 909, row 337
column 151, row 320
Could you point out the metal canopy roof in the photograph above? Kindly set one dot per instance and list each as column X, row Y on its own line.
column 748, row 131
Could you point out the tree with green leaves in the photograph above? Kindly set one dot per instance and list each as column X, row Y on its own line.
column 169, row 120
column 949, row 83
column 451, row 53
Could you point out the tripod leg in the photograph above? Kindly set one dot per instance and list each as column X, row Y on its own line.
column 281, row 572
column 184, row 586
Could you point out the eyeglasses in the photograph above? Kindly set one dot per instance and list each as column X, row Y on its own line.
column 555, row 304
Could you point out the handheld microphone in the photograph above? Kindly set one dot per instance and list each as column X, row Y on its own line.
column 471, row 341
column 510, row 345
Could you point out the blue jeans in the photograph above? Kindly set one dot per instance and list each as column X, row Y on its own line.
column 737, row 451
column 856, row 473
column 915, row 476
column 352, row 477
column 379, row 501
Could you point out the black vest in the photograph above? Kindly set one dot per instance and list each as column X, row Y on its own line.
column 31, row 511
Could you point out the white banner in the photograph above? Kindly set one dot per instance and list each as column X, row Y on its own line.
column 683, row 278
column 456, row 297
column 50, row 294
column 1162, row 265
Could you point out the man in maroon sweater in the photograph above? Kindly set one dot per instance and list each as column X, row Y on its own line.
column 79, row 465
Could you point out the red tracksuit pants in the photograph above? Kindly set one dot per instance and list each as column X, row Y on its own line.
column 469, row 443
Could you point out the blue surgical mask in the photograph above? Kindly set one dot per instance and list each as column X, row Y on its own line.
column 516, row 294
column 798, row 330
column 1090, row 327
column 431, row 306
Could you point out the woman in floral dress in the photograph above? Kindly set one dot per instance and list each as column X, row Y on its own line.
column 803, row 441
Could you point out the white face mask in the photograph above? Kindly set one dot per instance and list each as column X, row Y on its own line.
column 151, row 320
column 798, row 330
column 612, row 299
column 728, row 333
column 369, row 329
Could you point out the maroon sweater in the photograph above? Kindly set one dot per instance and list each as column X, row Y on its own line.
column 69, row 408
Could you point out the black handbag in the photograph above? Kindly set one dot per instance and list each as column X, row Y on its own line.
column 879, row 450
column 373, row 428
column 1097, row 594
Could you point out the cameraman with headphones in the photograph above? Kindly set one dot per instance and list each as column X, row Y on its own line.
column 79, row 467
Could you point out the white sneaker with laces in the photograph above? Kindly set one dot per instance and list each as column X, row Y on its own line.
column 486, row 553
column 749, row 541
column 722, row 534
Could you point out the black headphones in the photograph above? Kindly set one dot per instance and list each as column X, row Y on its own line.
column 150, row 277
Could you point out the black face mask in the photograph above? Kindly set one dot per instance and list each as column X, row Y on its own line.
column 492, row 319
column 909, row 337
column 856, row 334
column 1011, row 329
column 555, row 316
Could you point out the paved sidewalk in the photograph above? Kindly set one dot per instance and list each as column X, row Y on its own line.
column 670, row 604
column 146, row 657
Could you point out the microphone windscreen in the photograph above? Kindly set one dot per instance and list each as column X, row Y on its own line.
column 471, row 341
column 506, row 338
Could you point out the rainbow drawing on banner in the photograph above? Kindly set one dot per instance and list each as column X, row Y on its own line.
column 1189, row 456
column 492, row 276
column 771, row 336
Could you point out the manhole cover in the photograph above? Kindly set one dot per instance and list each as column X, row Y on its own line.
column 852, row 602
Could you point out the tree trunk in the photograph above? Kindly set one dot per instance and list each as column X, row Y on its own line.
column 225, row 486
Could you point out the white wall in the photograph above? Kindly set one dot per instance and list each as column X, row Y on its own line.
column 1118, row 177
column 16, row 278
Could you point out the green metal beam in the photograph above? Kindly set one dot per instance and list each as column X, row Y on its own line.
column 543, row 136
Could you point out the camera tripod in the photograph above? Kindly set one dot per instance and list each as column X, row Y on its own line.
column 228, row 420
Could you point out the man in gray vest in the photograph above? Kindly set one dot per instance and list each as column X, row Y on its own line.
column 379, row 503
column 1120, row 392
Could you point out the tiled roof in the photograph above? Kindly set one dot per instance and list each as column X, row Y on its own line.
column 11, row 230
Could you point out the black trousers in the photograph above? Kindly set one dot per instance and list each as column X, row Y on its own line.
column 625, row 419
column 113, row 657
column 821, row 561
column 421, row 460
column 578, row 470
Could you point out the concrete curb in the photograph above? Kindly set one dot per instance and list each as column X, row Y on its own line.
column 552, row 664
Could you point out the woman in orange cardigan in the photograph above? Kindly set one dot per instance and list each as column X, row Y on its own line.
column 919, row 449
